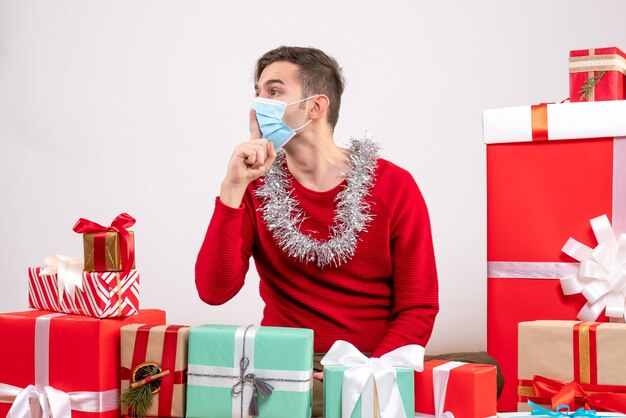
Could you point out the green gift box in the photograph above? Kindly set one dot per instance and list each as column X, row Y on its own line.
column 367, row 405
column 231, row 368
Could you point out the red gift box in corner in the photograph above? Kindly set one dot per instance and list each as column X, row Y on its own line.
column 597, row 74
column 550, row 169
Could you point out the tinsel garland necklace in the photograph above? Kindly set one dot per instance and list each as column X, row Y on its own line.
column 283, row 217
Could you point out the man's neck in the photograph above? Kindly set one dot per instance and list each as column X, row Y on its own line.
column 316, row 162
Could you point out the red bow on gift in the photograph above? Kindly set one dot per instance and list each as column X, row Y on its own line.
column 573, row 395
column 119, row 225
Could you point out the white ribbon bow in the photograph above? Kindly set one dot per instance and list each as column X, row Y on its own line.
column 69, row 271
column 47, row 402
column 382, row 369
column 602, row 274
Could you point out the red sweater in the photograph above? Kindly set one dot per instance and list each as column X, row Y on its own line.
column 385, row 297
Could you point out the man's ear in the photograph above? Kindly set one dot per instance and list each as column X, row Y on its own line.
column 320, row 107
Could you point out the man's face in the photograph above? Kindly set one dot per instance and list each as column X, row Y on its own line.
column 279, row 81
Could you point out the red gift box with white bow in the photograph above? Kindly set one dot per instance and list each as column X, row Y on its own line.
column 62, row 365
column 551, row 169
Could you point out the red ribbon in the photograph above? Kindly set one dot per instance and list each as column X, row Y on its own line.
column 574, row 395
column 539, row 118
column 168, row 362
column 119, row 225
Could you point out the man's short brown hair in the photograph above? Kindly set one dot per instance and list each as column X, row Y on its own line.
column 319, row 74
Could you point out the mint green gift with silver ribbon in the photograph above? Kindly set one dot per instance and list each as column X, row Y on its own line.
column 235, row 372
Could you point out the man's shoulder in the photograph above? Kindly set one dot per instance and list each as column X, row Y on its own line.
column 388, row 173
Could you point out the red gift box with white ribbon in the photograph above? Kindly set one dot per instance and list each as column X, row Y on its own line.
column 550, row 169
column 454, row 388
column 62, row 365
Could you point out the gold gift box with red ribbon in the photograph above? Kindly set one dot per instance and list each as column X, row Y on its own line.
column 163, row 348
column 102, row 251
column 108, row 248
column 580, row 364
column 597, row 74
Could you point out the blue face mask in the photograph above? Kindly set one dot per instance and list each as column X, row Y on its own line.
column 269, row 115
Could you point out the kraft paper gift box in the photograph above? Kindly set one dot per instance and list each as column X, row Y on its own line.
column 466, row 390
column 163, row 347
column 597, row 74
column 108, row 248
column 554, row 354
column 356, row 386
column 550, row 170
column 62, row 359
column 230, row 369
column 101, row 295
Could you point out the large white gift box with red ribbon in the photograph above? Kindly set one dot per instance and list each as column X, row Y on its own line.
column 551, row 169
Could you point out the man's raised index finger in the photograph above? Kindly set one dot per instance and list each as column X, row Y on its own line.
column 255, row 131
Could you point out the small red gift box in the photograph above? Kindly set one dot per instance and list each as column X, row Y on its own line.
column 103, row 295
column 466, row 390
column 550, row 169
column 65, row 361
column 597, row 74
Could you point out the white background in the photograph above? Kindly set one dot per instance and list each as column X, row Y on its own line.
column 135, row 106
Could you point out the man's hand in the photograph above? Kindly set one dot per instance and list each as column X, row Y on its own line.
column 249, row 161
column 319, row 376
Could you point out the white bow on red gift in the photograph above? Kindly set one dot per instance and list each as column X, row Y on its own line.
column 601, row 277
column 362, row 369
column 69, row 271
column 40, row 400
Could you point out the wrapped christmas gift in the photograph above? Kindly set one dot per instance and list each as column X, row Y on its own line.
column 62, row 365
column 597, row 74
column 108, row 248
column 465, row 390
column 154, row 369
column 550, row 170
column 578, row 364
column 359, row 387
column 63, row 286
column 241, row 371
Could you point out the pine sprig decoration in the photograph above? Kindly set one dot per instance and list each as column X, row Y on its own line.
column 139, row 400
column 139, row 397
column 587, row 89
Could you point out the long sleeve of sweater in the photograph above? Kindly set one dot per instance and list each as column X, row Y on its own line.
column 224, row 256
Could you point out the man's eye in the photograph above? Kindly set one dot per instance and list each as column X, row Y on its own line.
column 273, row 92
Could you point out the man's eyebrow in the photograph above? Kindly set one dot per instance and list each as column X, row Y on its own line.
column 268, row 82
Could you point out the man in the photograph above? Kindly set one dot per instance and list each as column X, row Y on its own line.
column 341, row 238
